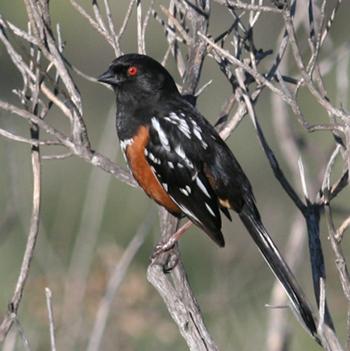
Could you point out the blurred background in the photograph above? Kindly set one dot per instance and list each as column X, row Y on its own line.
column 88, row 217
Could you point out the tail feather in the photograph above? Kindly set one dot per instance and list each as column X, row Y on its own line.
column 279, row 267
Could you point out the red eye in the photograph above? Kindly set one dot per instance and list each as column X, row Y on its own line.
column 132, row 71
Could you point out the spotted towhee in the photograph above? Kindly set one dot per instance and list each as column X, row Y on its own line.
column 182, row 163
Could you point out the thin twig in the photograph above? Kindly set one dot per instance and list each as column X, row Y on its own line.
column 21, row 139
column 115, row 281
column 97, row 13
column 177, row 25
column 342, row 228
column 21, row 333
column 279, row 330
column 30, row 246
column 95, row 158
column 250, row 7
column 140, row 43
column 93, row 23
column 112, row 29
column 57, row 157
column 338, row 253
column 126, row 18
column 269, row 153
column 303, row 178
column 48, row 295
column 322, row 100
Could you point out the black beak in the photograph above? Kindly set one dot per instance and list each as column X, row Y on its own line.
column 108, row 78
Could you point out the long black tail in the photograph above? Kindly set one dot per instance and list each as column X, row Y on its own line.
column 251, row 219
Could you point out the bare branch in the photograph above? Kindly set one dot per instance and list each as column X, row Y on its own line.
column 178, row 296
column 112, row 28
column 126, row 18
column 48, row 295
column 30, row 246
column 339, row 256
column 88, row 155
column 322, row 100
column 34, row 142
column 341, row 230
column 251, row 7
column 93, row 23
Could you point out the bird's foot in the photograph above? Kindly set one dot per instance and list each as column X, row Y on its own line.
column 163, row 247
column 171, row 259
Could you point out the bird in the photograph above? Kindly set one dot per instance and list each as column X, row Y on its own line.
column 181, row 162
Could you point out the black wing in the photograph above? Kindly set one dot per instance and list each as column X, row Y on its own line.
column 175, row 152
column 187, row 156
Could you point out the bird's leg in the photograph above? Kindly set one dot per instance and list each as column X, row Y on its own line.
column 169, row 244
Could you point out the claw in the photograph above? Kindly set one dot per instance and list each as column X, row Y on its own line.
column 163, row 247
column 171, row 262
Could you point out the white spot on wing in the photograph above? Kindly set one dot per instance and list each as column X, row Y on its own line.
column 181, row 153
column 187, row 212
column 162, row 136
column 198, row 133
column 170, row 120
column 210, row 210
column 184, row 191
column 181, row 123
column 184, row 128
column 194, row 175
column 202, row 187
column 170, row 164
column 174, row 116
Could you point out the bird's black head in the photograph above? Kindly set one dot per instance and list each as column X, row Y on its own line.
column 139, row 76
